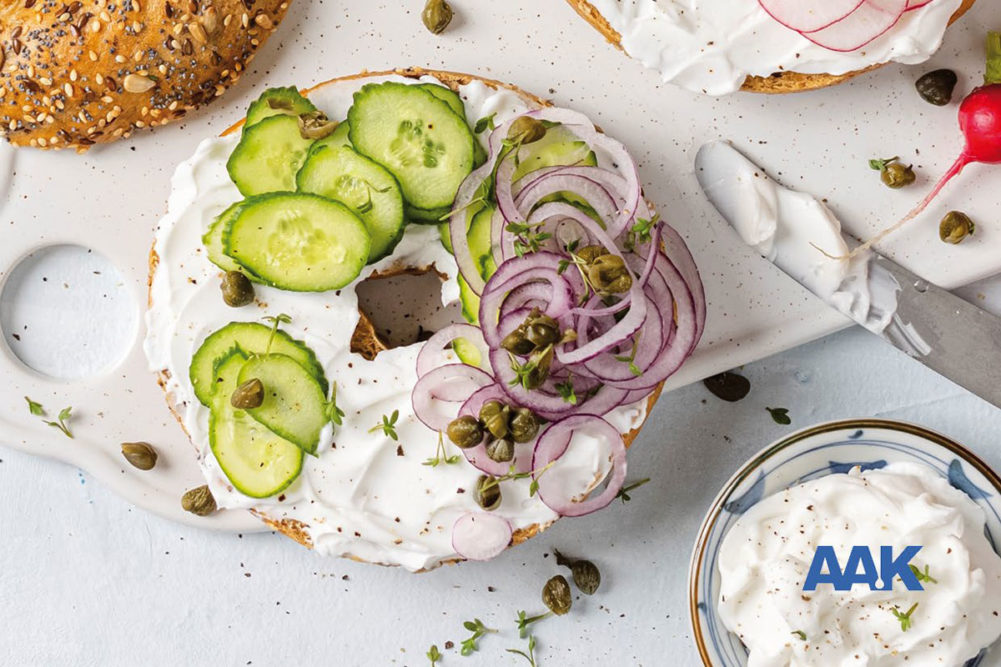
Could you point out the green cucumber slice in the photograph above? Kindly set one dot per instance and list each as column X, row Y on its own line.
column 212, row 239
column 425, row 217
column 470, row 302
column 343, row 174
column 277, row 102
column 258, row 462
column 467, row 352
column 268, row 156
column 446, row 237
column 417, row 137
column 479, row 238
column 294, row 405
column 250, row 338
column 559, row 147
column 298, row 241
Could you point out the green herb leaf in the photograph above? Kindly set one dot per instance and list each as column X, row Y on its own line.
column 63, row 417
column 799, row 633
column 433, row 655
column 880, row 165
column 484, row 123
column 470, row 645
column 780, row 415
column 567, row 392
column 923, row 577
column 388, row 425
column 905, row 619
column 529, row 655
column 524, row 620
column 334, row 413
column 992, row 74
column 441, row 456
column 35, row 408
column 624, row 491
column 276, row 321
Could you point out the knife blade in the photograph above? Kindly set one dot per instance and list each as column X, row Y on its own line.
column 949, row 335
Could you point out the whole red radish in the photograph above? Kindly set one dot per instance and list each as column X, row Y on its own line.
column 980, row 122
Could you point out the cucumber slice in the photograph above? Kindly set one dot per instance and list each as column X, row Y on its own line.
column 339, row 137
column 446, row 237
column 417, row 137
column 478, row 236
column 268, row 156
column 212, row 239
column 342, row 174
column 277, row 102
column 425, row 217
column 467, row 352
column 298, row 241
column 448, row 96
column 559, row 147
column 250, row 338
column 470, row 302
column 294, row 405
column 258, row 462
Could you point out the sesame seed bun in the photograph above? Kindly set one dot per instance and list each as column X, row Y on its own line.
column 365, row 340
column 74, row 73
column 779, row 82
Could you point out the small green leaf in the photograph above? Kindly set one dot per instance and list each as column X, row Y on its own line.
column 35, row 408
column 484, row 123
column 780, row 415
column 800, row 634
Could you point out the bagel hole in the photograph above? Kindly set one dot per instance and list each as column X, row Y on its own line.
column 399, row 310
column 67, row 312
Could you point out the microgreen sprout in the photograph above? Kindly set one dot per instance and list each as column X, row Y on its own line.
column 441, row 456
column 387, row 425
column 276, row 321
column 799, row 633
column 60, row 423
column 334, row 413
column 624, row 491
column 780, row 415
column 485, row 123
column 470, row 645
column 567, row 392
column 524, row 620
column 905, row 618
column 530, row 655
column 434, row 655
column 923, row 577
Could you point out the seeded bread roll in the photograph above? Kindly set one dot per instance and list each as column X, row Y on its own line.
column 79, row 72
column 779, row 82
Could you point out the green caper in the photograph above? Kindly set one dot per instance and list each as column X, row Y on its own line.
column 437, row 15
column 248, row 395
column 501, row 450
column 540, row 363
column 488, row 493
column 465, row 432
column 936, row 87
column 896, row 175
column 589, row 253
column 198, row 501
column 556, row 595
column 140, row 454
column 541, row 329
column 526, row 130
column 237, row 290
column 517, row 342
column 524, row 425
column 608, row 274
column 316, row 125
column 586, row 575
column 495, row 416
column 955, row 227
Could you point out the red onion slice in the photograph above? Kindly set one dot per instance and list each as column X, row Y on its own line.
column 437, row 350
column 438, row 395
column 557, row 439
column 481, row 536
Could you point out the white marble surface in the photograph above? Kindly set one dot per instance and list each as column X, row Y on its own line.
column 86, row 579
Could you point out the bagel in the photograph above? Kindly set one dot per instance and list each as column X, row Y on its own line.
column 364, row 339
column 84, row 72
column 777, row 83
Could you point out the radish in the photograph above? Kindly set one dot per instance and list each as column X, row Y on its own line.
column 980, row 122
column 872, row 19
column 805, row 16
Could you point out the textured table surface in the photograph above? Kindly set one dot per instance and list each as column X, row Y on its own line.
column 88, row 580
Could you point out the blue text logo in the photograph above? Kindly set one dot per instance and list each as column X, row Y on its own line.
column 861, row 569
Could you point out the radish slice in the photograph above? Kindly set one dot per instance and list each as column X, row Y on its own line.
column 870, row 21
column 916, row 4
column 480, row 536
column 807, row 16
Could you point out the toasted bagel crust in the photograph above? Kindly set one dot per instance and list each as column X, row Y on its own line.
column 365, row 341
column 777, row 83
column 81, row 72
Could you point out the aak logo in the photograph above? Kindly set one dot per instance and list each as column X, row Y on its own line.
column 861, row 569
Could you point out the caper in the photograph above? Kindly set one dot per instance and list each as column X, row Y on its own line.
column 465, row 432
column 316, row 125
column 437, row 15
column 894, row 174
column 495, row 416
column 140, row 454
column 526, row 130
column 488, row 493
column 524, row 425
column 540, row 363
column 237, row 290
column 608, row 274
column 501, row 450
column 589, row 253
column 955, row 227
column 936, row 87
column 586, row 575
column 556, row 595
column 541, row 329
column 248, row 395
column 198, row 501
column 517, row 342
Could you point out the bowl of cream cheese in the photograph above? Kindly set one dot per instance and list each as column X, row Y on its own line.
column 861, row 542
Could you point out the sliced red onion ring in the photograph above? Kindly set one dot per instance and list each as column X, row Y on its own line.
column 438, row 395
column 554, row 443
column 437, row 350
column 481, row 536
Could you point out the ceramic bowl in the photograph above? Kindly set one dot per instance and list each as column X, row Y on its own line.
column 834, row 447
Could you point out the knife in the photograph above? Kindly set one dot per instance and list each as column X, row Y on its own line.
column 925, row 321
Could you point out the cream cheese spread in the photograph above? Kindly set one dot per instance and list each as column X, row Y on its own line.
column 765, row 557
column 711, row 46
column 366, row 495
